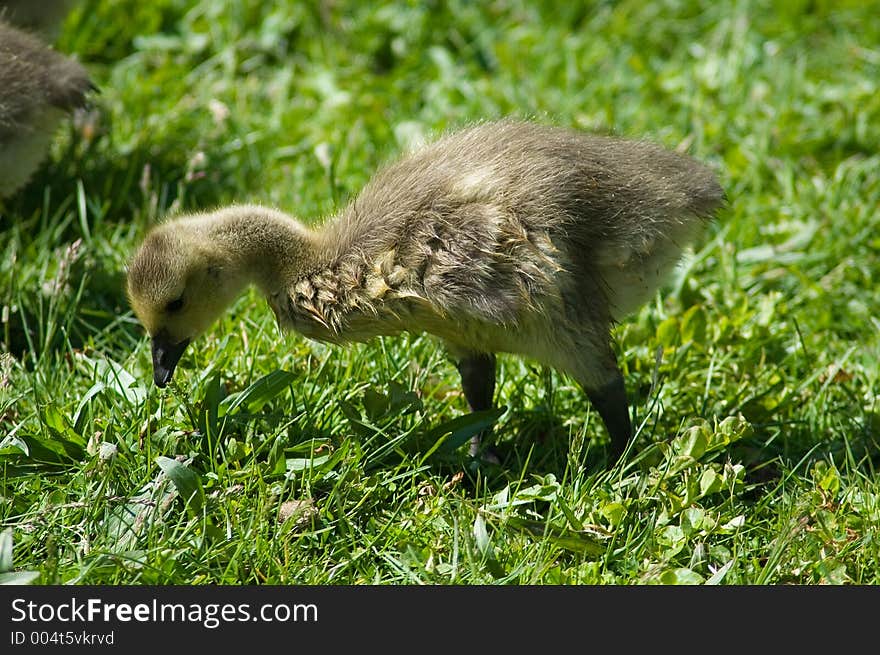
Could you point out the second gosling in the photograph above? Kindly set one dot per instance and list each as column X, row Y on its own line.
column 503, row 237
column 38, row 87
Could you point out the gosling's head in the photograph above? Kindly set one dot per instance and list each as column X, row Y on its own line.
column 179, row 282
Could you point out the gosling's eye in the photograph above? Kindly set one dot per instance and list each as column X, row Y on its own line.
column 174, row 306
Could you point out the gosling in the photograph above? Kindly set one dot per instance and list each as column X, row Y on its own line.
column 503, row 237
column 38, row 87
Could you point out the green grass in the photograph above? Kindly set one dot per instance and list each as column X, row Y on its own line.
column 754, row 376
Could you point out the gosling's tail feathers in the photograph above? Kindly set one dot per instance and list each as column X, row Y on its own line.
column 69, row 86
column 704, row 192
column 678, row 197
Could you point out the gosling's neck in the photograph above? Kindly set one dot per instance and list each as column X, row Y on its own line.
column 269, row 249
column 314, row 280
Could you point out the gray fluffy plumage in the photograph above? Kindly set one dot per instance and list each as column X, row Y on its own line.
column 38, row 87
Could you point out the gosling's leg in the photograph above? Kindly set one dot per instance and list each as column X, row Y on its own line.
column 599, row 375
column 478, row 383
column 611, row 402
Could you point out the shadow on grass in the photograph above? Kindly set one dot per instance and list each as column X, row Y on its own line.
column 540, row 445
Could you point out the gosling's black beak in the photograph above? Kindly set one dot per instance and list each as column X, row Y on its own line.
column 166, row 354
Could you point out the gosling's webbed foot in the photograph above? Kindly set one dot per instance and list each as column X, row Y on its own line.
column 481, row 460
column 484, row 455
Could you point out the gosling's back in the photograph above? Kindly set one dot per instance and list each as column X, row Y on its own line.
column 497, row 218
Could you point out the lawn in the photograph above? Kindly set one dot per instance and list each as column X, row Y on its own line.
column 754, row 376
